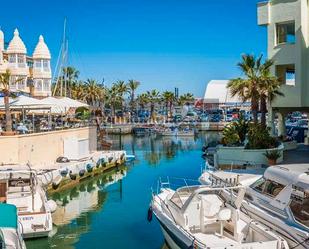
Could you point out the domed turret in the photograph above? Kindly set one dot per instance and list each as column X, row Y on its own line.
column 16, row 45
column 41, row 50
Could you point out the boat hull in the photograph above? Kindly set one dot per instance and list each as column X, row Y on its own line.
column 35, row 225
column 292, row 236
column 174, row 237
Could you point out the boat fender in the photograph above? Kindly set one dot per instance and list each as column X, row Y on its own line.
column 99, row 162
column 149, row 214
column 52, row 205
column 89, row 167
column 81, row 172
column 72, row 176
column 64, row 173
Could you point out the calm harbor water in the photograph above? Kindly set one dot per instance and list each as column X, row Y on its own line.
column 109, row 211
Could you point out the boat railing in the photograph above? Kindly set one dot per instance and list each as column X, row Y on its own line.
column 176, row 182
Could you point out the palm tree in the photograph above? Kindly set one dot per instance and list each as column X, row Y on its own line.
column 247, row 88
column 94, row 93
column 187, row 97
column 143, row 100
column 122, row 89
column 269, row 89
column 113, row 99
column 132, row 86
column 169, row 98
column 5, row 90
column 78, row 91
column 153, row 98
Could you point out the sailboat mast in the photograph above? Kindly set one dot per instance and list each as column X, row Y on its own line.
column 61, row 63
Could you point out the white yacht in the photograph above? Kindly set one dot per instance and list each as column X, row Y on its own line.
column 280, row 199
column 201, row 217
column 20, row 187
column 10, row 231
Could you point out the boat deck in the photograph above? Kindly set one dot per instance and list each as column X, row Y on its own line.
column 213, row 240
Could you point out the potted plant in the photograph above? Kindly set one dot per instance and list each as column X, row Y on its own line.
column 272, row 156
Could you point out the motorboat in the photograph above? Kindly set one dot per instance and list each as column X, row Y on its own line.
column 280, row 200
column 10, row 231
column 20, row 187
column 202, row 217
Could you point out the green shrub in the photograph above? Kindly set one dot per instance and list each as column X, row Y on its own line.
column 259, row 138
column 234, row 134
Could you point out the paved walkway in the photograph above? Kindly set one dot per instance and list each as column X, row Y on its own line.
column 299, row 155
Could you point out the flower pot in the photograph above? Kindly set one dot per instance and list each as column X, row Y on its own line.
column 272, row 162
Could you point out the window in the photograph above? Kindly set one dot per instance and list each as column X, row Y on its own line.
column 20, row 58
column 259, row 185
column 290, row 76
column 13, row 83
column 46, row 85
column 267, row 187
column 21, row 84
column 46, row 64
column 12, row 58
column 299, row 205
column 38, row 85
column 285, row 32
column 37, row 63
column 286, row 74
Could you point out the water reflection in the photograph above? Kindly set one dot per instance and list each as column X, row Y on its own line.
column 96, row 214
column 75, row 207
column 155, row 149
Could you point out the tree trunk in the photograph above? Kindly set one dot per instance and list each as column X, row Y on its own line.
column 132, row 101
column 8, row 118
column 152, row 111
column 113, row 113
column 263, row 109
column 254, row 109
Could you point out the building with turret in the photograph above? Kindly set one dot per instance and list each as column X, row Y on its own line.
column 29, row 74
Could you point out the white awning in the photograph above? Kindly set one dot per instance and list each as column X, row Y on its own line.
column 24, row 102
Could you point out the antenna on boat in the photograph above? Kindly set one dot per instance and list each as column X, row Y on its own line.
column 62, row 63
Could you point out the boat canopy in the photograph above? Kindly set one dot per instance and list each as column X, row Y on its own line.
column 296, row 174
column 8, row 216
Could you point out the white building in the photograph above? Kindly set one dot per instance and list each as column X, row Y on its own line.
column 33, row 70
column 287, row 23
column 217, row 95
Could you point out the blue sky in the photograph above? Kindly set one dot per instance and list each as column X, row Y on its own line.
column 162, row 43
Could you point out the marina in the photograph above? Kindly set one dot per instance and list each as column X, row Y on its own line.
column 157, row 125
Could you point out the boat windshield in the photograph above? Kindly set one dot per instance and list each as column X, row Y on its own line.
column 181, row 195
column 267, row 187
column 299, row 205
